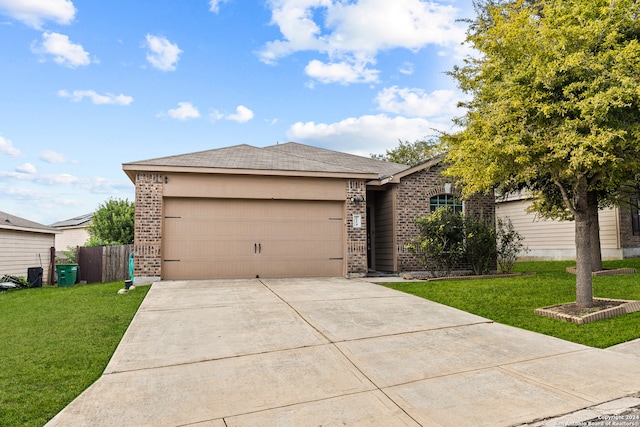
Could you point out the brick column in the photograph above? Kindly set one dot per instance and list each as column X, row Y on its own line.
column 356, row 237
column 148, row 226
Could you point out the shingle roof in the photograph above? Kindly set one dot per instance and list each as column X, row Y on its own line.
column 284, row 157
column 8, row 221
column 359, row 163
column 73, row 222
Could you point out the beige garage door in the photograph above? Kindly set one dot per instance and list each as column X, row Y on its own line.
column 238, row 238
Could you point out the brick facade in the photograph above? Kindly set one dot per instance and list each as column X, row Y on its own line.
column 356, row 237
column 413, row 199
column 412, row 195
column 148, row 225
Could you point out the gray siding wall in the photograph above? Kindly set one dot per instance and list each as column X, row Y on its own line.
column 20, row 250
column 549, row 240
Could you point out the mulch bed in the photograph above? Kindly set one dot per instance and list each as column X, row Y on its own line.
column 603, row 308
column 573, row 309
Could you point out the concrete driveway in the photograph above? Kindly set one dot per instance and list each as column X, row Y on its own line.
column 328, row 352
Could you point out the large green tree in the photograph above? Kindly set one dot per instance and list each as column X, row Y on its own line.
column 411, row 153
column 113, row 223
column 554, row 108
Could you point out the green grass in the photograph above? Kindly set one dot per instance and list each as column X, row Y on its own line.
column 54, row 343
column 512, row 300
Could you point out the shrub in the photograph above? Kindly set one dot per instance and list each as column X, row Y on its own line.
column 70, row 255
column 509, row 245
column 440, row 243
column 480, row 243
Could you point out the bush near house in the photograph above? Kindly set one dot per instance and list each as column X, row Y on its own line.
column 440, row 242
column 449, row 239
column 509, row 245
column 480, row 243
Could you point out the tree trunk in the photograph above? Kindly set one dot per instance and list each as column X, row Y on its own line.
column 594, row 232
column 584, row 285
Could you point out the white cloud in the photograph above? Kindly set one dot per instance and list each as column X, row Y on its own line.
column 184, row 111
column 406, row 68
column 341, row 72
column 22, row 193
column 51, row 193
column 99, row 185
column 96, row 98
column 354, row 32
column 214, row 5
column 299, row 30
column 242, row 115
column 6, row 147
column 53, row 157
column 34, row 12
column 418, row 103
column 27, row 168
column 64, row 52
column 95, row 185
column 55, row 179
column 410, row 24
column 62, row 178
column 162, row 54
column 365, row 135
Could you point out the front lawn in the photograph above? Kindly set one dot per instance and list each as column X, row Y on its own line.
column 55, row 342
column 512, row 300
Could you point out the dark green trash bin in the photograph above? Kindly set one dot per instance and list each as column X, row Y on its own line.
column 67, row 274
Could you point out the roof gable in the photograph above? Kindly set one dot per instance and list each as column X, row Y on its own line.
column 395, row 179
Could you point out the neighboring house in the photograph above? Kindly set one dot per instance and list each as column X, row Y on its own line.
column 287, row 210
column 73, row 232
column 555, row 240
column 25, row 244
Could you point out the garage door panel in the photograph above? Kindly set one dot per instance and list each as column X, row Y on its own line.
column 204, row 250
column 305, row 230
column 302, row 268
column 194, row 270
column 317, row 249
column 230, row 238
column 205, row 229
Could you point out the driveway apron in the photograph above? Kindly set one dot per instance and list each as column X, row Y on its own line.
column 332, row 351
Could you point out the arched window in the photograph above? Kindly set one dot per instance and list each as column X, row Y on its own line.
column 448, row 200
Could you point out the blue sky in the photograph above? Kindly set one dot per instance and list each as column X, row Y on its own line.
column 88, row 85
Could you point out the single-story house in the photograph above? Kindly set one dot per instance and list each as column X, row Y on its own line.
column 25, row 245
column 73, row 232
column 555, row 240
column 286, row 210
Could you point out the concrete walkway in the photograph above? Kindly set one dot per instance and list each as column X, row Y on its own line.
column 328, row 352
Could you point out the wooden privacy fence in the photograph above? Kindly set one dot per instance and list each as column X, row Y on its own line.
column 101, row 264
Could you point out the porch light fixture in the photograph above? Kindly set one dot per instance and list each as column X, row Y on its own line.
column 356, row 199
